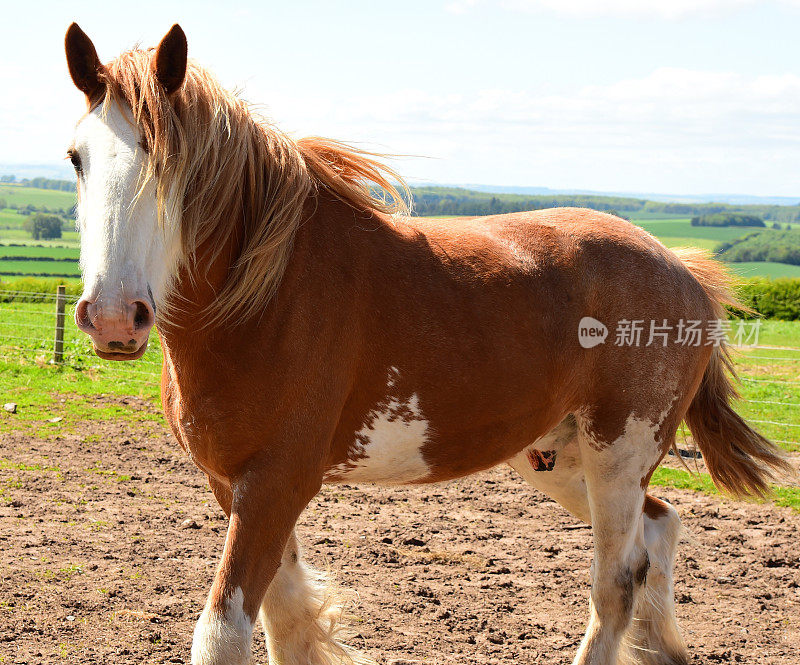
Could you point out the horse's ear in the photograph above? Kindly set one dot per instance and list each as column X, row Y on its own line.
column 170, row 60
column 84, row 65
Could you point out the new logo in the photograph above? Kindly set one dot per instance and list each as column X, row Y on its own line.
column 591, row 332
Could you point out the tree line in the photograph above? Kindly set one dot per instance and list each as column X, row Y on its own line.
column 727, row 219
column 429, row 201
column 456, row 201
column 42, row 183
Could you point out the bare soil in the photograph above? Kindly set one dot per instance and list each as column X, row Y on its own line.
column 109, row 538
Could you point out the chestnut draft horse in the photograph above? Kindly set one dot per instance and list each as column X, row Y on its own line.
column 312, row 336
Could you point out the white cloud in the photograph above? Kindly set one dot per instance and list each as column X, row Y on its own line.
column 674, row 130
column 639, row 9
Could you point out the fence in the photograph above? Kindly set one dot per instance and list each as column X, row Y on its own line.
column 40, row 328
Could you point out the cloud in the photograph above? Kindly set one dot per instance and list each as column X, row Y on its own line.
column 637, row 9
column 674, row 130
column 666, row 102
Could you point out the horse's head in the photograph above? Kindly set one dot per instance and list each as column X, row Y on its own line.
column 125, row 251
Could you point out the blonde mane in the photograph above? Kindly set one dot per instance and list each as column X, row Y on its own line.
column 223, row 174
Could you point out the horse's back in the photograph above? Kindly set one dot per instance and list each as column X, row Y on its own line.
column 589, row 258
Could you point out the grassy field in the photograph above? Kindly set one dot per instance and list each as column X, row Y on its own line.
column 673, row 231
column 39, row 249
column 20, row 237
column 678, row 232
column 11, row 232
column 765, row 269
column 22, row 196
column 9, row 217
column 15, row 267
column 681, row 228
column 28, row 377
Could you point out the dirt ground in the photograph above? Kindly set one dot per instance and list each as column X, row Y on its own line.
column 109, row 538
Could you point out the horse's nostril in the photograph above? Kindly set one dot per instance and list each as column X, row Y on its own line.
column 143, row 317
column 82, row 317
column 116, row 345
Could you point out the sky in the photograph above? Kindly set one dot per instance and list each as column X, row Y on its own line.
column 676, row 97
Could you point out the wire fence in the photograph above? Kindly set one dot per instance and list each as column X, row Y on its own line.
column 29, row 332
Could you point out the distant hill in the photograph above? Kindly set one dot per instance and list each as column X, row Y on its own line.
column 775, row 246
column 54, row 171
column 432, row 200
column 429, row 201
column 732, row 199
column 63, row 171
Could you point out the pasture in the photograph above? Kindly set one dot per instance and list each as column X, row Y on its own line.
column 765, row 269
column 31, row 267
column 21, row 196
column 111, row 536
column 673, row 231
column 39, row 250
column 20, row 237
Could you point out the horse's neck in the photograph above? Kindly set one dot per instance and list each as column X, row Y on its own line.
column 323, row 247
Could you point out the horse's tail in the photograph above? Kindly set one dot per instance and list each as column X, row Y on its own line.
column 739, row 459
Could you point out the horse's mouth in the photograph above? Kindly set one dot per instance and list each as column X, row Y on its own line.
column 122, row 355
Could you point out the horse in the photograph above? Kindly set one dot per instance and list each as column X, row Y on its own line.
column 314, row 332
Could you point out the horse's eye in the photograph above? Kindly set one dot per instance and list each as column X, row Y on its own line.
column 75, row 159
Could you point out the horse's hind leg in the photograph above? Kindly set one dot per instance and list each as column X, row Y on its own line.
column 613, row 469
column 300, row 617
column 653, row 638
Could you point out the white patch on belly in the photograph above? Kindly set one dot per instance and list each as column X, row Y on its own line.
column 388, row 448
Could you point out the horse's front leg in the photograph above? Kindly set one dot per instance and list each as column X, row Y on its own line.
column 265, row 504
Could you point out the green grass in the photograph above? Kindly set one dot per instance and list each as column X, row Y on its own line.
column 51, row 251
column 764, row 269
column 646, row 215
column 28, row 378
column 788, row 497
column 682, row 241
column 14, row 267
column 22, row 196
column 678, row 232
column 41, row 285
column 9, row 217
column 11, row 230
column 682, row 228
column 18, row 236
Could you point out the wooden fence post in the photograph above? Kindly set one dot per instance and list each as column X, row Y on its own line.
column 58, row 349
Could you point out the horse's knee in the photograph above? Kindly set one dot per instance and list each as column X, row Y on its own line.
column 223, row 634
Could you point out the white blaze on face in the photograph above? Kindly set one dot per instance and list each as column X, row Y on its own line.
column 123, row 250
column 388, row 447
